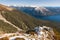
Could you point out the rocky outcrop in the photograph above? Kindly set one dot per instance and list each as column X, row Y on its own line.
column 40, row 33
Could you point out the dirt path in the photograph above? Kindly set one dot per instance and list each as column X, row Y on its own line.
column 2, row 18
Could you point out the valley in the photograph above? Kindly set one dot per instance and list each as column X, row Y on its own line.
column 44, row 13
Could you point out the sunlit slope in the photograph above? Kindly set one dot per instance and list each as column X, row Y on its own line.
column 6, row 28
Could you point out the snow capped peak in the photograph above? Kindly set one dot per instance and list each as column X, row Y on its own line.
column 40, row 8
column 43, row 10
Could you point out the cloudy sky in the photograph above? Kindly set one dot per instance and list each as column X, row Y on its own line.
column 31, row 2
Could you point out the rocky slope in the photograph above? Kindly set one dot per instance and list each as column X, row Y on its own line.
column 41, row 33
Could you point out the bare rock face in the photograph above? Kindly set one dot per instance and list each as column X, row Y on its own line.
column 38, row 33
column 46, row 33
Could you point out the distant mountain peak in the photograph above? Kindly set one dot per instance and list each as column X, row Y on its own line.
column 43, row 10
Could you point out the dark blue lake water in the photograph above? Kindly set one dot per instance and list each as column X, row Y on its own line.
column 52, row 18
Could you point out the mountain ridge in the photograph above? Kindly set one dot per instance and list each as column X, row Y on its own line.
column 45, row 10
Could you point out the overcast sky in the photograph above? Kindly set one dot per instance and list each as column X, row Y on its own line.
column 31, row 2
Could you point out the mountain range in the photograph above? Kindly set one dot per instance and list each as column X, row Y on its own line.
column 45, row 13
column 12, row 20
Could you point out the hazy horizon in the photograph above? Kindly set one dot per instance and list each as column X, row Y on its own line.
column 53, row 3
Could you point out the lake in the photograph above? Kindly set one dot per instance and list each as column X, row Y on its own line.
column 52, row 18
